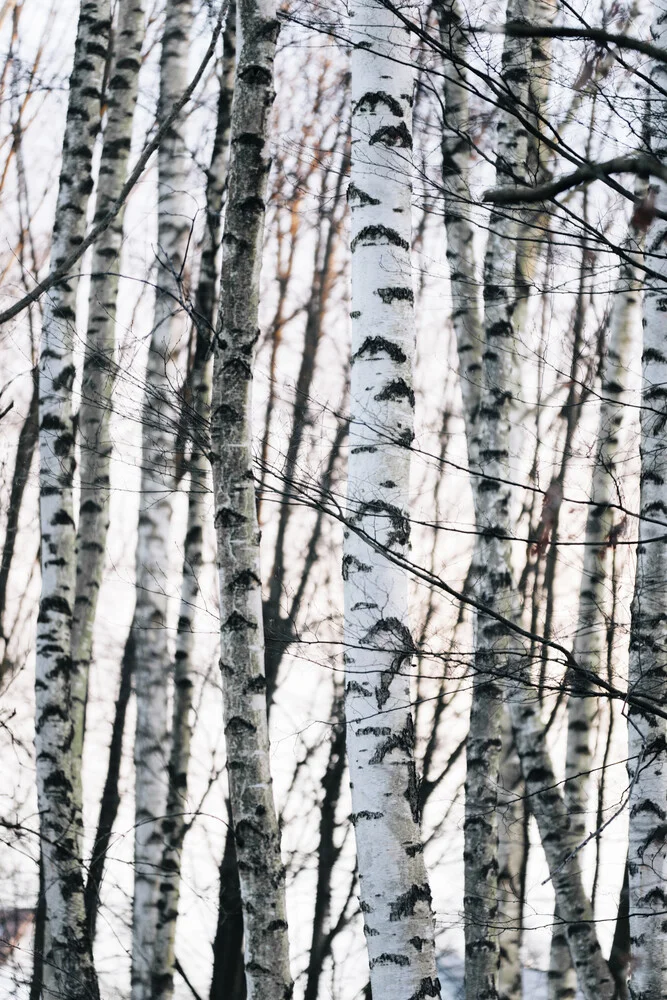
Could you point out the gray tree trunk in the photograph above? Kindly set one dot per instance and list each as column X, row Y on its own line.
column 175, row 823
column 152, row 654
column 256, row 830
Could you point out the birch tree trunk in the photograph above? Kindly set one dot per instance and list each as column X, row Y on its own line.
column 68, row 963
column 394, row 889
column 175, row 823
column 256, row 830
column 647, row 735
column 491, row 572
column 159, row 424
column 99, row 366
column 589, row 643
column 555, row 828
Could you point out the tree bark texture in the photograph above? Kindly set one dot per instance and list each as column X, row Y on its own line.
column 647, row 735
column 594, row 600
column 99, row 363
column 394, row 889
column 175, row 823
column 152, row 655
column 68, row 963
column 492, row 574
column 256, row 830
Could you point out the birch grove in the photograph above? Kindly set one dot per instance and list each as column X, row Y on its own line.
column 331, row 500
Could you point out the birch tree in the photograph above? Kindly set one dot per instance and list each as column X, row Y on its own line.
column 99, row 362
column 152, row 655
column 602, row 522
column 175, row 823
column 394, row 889
column 256, row 831
column 647, row 735
column 68, row 966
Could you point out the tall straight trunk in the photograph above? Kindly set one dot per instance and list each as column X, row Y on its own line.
column 99, row 364
column 256, row 830
column 493, row 556
column 394, row 889
column 152, row 655
column 175, row 824
column 590, row 638
column 647, row 735
column 68, row 963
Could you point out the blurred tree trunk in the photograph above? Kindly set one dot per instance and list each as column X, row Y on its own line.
column 158, row 480
column 175, row 823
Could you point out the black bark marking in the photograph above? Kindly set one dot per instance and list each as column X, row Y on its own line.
column 397, row 293
column 372, row 235
column 362, row 198
column 369, row 102
column 392, row 135
column 375, row 345
column 397, row 389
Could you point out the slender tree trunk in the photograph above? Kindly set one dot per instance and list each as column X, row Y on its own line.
column 492, row 571
column 456, row 154
column 256, row 830
column 110, row 794
column 99, row 365
column 394, row 889
column 589, row 643
column 555, row 828
column 511, row 823
column 320, row 946
column 69, row 973
column 175, row 824
column 647, row 735
column 153, row 659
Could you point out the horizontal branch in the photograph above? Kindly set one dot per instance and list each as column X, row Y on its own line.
column 63, row 269
column 520, row 30
column 638, row 163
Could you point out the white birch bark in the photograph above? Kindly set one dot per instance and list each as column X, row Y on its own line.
column 99, row 366
column 590, row 638
column 256, row 831
column 157, row 484
column 175, row 823
column 394, row 889
column 647, row 735
column 68, row 964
